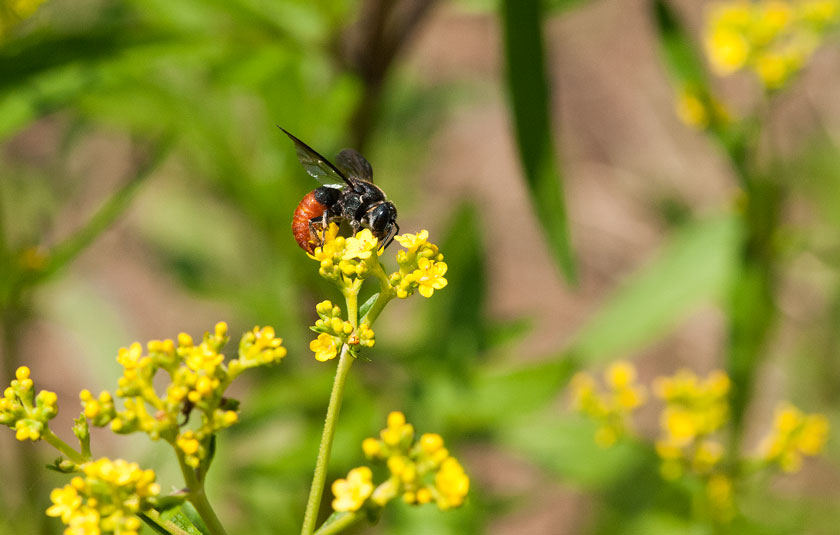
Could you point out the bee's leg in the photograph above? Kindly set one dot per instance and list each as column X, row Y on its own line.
column 317, row 227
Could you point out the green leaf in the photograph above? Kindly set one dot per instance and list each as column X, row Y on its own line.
column 684, row 63
column 529, row 99
column 194, row 519
column 181, row 516
column 696, row 267
column 565, row 445
column 367, row 304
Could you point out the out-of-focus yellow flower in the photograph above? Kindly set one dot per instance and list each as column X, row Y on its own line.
column 611, row 408
column 66, row 501
column 398, row 430
column 351, row 493
column 794, row 435
column 451, row 483
column 694, row 411
column 106, row 500
column 23, row 411
column 198, row 378
column 324, row 347
column 421, row 471
column 774, row 38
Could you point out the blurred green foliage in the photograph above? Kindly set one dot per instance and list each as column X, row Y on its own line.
column 195, row 89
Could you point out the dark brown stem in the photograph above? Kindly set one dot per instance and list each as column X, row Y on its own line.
column 385, row 27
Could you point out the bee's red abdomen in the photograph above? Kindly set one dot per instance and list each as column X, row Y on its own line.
column 306, row 210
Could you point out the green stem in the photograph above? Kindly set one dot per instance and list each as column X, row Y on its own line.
column 386, row 293
column 198, row 497
column 351, row 297
column 65, row 449
column 320, row 475
column 337, row 526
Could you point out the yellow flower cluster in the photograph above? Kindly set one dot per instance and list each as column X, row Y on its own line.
column 346, row 261
column 106, row 500
column 694, row 410
column 421, row 471
column 25, row 412
column 422, row 268
column 612, row 408
column 198, row 378
column 774, row 38
column 334, row 332
column 794, row 435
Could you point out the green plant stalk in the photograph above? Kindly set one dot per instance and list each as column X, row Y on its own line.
column 345, row 361
column 197, row 495
column 65, row 449
column 752, row 309
column 339, row 525
column 386, row 293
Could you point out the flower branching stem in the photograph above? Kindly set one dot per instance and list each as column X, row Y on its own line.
column 65, row 449
column 198, row 497
column 345, row 361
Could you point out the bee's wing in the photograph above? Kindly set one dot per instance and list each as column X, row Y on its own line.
column 316, row 165
column 354, row 165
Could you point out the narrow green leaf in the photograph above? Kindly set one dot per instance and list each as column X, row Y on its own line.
column 157, row 528
column 367, row 304
column 681, row 56
column 696, row 267
column 564, row 444
column 194, row 519
column 529, row 99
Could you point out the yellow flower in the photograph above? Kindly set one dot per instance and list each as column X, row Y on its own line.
column 774, row 38
column 452, row 484
column 372, row 448
column 728, row 51
column 360, row 246
column 413, row 465
column 66, row 501
column 257, row 347
column 620, row 374
column 610, row 409
column 413, row 242
column 694, row 410
column 85, row 522
column 106, row 499
column 794, row 435
column 351, row 493
column 324, row 346
column 397, row 430
column 429, row 276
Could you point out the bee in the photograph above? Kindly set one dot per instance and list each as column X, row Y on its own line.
column 348, row 195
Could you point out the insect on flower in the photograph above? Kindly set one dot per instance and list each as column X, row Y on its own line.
column 348, row 194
